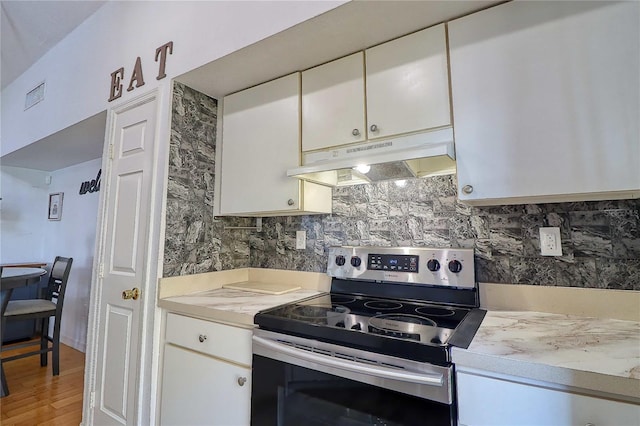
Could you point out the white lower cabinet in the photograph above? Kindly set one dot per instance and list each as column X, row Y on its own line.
column 492, row 401
column 206, row 377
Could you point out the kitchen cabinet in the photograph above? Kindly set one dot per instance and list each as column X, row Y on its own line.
column 406, row 85
column 333, row 103
column 206, row 377
column 545, row 102
column 486, row 400
column 261, row 140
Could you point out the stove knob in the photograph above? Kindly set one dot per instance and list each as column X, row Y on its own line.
column 356, row 261
column 455, row 266
column 340, row 260
column 356, row 326
column 340, row 324
column 433, row 265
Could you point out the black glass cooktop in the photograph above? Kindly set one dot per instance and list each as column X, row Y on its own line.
column 392, row 326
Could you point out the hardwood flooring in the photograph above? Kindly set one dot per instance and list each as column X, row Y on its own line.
column 37, row 397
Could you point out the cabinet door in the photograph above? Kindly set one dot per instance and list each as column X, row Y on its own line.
column 545, row 101
column 261, row 140
column 407, row 84
column 201, row 390
column 333, row 103
column 488, row 401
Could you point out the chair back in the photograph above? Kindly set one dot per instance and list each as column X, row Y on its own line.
column 58, row 278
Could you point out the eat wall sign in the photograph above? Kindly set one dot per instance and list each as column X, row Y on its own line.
column 137, row 78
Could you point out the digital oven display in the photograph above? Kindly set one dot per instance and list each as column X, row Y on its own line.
column 393, row 262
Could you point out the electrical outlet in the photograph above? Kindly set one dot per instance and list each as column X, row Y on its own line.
column 301, row 240
column 550, row 242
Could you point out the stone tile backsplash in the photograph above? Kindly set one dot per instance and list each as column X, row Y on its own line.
column 600, row 240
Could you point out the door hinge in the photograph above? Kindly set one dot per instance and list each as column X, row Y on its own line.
column 111, row 152
column 101, row 270
column 92, row 399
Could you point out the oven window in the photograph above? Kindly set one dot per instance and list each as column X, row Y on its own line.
column 289, row 395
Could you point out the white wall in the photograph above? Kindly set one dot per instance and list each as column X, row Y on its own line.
column 77, row 70
column 23, row 214
column 27, row 235
column 74, row 236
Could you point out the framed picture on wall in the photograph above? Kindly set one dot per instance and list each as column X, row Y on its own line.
column 55, row 206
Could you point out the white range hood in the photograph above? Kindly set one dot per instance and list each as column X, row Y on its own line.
column 417, row 155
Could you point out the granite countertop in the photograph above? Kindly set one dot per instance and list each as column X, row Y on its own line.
column 594, row 354
column 237, row 307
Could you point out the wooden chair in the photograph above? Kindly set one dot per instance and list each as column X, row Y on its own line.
column 43, row 309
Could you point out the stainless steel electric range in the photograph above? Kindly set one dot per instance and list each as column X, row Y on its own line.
column 376, row 350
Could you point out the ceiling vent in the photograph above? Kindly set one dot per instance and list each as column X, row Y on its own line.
column 34, row 96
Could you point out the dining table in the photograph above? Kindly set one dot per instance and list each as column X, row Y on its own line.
column 12, row 278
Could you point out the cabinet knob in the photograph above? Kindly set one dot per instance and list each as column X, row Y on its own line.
column 202, row 338
column 355, row 132
column 467, row 189
column 242, row 381
column 373, row 128
column 290, row 202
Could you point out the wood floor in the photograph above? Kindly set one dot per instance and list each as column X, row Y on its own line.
column 38, row 398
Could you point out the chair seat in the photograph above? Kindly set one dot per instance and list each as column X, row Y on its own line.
column 30, row 306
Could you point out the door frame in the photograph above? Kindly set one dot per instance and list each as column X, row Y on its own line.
column 146, row 398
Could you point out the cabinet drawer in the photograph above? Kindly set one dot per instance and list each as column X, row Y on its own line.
column 219, row 340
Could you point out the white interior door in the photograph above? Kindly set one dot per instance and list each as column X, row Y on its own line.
column 124, row 263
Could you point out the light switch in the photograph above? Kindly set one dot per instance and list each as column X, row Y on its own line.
column 550, row 242
column 301, row 240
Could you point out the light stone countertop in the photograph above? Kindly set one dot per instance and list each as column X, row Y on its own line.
column 594, row 354
column 237, row 307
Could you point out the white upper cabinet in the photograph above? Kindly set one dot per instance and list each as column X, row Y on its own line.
column 333, row 103
column 408, row 84
column 407, row 90
column 261, row 140
column 546, row 102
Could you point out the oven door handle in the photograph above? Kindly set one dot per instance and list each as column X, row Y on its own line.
column 378, row 371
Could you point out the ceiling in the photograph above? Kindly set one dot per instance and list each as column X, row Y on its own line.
column 76, row 144
column 28, row 29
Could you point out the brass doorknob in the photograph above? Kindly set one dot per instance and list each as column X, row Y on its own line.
column 134, row 293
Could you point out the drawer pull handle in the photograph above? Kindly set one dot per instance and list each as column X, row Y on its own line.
column 467, row 189
column 355, row 132
column 242, row 381
column 202, row 338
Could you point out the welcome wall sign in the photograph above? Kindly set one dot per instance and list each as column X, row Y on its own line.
column 137, row 78
column 92, row 185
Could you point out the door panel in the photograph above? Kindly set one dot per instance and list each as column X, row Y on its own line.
column 117, row 360
column 125, row 241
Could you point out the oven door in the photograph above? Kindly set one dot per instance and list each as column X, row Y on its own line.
column 304, row 382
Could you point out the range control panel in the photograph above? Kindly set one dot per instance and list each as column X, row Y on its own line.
column 419, row 265
column 393, row 262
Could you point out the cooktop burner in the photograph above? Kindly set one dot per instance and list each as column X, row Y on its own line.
column 435, row 311
column 399, row 320
column 384, row 305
